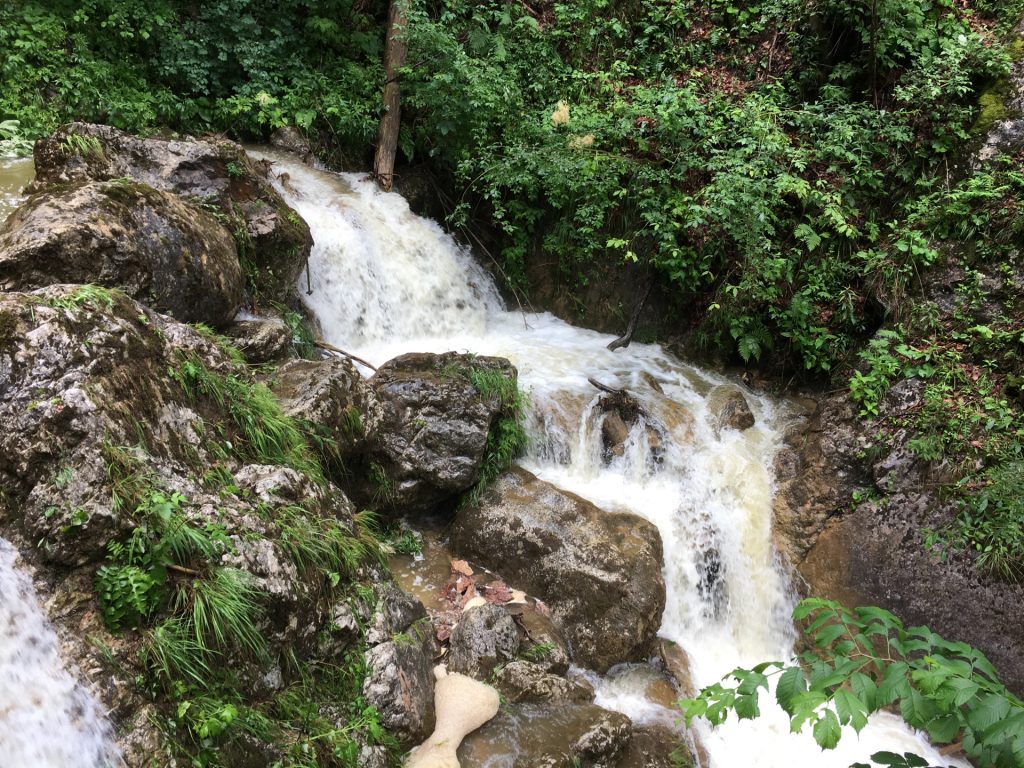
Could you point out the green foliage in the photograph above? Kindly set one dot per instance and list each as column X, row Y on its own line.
column 538, row 652
column 506, row 439
column 87, row 147
column 13, row 142
column 991, row 523
column 266, row 435
column 134, row 583
column 864, row 660
column 403, row 541
column 326, row 544
column 90, row 296
column 303, row 338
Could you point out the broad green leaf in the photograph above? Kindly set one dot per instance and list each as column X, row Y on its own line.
column 851, row 710
column 791, row 683
column 865, row 689
column 827, row 730
column 989, row 711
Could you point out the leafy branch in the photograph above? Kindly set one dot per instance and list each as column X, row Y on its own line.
column 860, row 661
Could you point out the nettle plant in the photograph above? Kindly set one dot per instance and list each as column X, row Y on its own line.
column 860, row 661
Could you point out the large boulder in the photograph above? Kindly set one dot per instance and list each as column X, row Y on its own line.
column 549, row 735
column 332, row 400
column 600, row 572
column 437, row 414
column 158, row 248
column 274, row 242
column 523, row 681
column 261, row 340
column 729, row 408
column 399, row 682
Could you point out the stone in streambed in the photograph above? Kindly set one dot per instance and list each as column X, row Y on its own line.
column 599, row 572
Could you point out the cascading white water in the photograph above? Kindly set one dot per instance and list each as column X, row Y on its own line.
column 383, row 281
column 47, row 718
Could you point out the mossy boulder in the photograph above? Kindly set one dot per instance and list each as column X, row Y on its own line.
column 273, row 241
column 437, row 412
column 158, row 248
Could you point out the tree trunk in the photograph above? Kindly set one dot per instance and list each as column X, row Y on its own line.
column 394, row 59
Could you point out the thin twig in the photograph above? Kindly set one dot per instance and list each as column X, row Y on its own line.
column 331, row 348
column 182, row 569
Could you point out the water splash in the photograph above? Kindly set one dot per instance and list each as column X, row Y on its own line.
column 384, row 282
column 47, row 718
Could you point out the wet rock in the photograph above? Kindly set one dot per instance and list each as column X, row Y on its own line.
column 261, row 341
column 395, row 613
column 485, row 637
column 330, row 398
column 817, row 471
column 543, row 642
column 599, row 572
column 400, row 678
column 275, row 240
column 729, row 408
column 521, row 681
column 291, row 139
column 621, row 413
column 430, row 444
column 554, row 735
column 400, row 684
column 159, row 249
column 677, row 662
column 872, row 552
column 656, row 746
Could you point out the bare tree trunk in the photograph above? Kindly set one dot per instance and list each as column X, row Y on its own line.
column 395, row 49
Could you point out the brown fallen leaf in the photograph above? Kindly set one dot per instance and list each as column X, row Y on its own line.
column 497, row 592
column 461, row 566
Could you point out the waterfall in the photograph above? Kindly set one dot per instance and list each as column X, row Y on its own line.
column 47, row 718
column 384, row 281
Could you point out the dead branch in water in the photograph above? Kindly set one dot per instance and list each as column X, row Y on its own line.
column 605, row 387
column 331, row 348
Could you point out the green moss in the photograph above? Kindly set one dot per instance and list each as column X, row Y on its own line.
column 8, row 327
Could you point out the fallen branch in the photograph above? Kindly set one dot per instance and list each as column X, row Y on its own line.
column 605, row 387
column 331, row 348
column 627, row 337
column 182, row 569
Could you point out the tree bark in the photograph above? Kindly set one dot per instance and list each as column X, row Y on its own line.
column 395, row 49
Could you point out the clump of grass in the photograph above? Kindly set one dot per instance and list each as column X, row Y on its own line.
column 323, row 543
column 222, row 610
column 88, row 147
column 92, row 296
column 507, row 438
column 223, row 343
column 268, row 436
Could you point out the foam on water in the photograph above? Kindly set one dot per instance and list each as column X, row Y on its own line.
column 384, row 281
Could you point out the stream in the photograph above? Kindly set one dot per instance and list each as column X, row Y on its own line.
column 383, row 281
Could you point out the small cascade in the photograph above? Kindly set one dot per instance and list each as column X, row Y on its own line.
column 47, row 718
column 384, row 281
